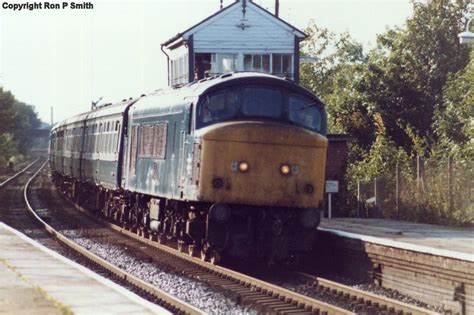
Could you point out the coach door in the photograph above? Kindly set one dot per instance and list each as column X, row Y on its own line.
column 132, row 160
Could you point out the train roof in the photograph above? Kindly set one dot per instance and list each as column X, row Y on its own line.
column 186, row 93
column 102, row 111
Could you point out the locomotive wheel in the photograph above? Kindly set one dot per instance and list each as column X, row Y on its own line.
column 205, row 250
column 214, row 257
column 161, row 239
column 191, row 250
column 204, row 255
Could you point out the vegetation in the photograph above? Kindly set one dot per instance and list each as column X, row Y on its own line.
column 411, row 95
column 17, row 124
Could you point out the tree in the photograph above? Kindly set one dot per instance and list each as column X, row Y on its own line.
column 18, row 122
column 411, row 94
column 455, row 123
column 25, row 123
column 6, row 110
column 335, row 78
column 408, row 69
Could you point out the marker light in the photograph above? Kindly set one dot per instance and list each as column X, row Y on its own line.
column 243, row 167
column 217, row 182
column 285, row 169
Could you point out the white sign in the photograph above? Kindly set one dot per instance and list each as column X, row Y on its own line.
column 332, row 186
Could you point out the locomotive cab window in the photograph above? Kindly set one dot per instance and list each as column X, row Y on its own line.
column 304, row 112
column 260, row 102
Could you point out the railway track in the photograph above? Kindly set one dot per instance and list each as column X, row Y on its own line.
column 363, row 299
column 7, row 180
column 274, row 298
column 160, row 297
column 269, row 298
column 263, row 296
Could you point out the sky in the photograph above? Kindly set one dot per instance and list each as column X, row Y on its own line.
column 66, row 59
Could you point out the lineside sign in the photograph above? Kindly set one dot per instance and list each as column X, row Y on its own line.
column 332, row 186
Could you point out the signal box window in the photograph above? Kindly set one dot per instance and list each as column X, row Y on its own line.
column 179, row 70
column 281, row 65
column 258, row 62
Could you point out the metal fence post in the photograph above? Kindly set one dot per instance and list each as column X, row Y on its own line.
column 450, row 185
column 419, row 175
column 397, row 189
column 377, row 211
column 358, row 199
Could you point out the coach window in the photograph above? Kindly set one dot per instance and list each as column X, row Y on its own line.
column 101, row 139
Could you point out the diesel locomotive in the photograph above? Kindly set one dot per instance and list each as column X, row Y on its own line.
column 231, row 165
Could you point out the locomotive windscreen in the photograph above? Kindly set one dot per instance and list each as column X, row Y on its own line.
column 260, row 102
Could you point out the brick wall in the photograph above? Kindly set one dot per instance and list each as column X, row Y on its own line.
column 336, row 162
column 336, row 165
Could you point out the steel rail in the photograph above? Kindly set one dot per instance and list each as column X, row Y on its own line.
column 365, row 298
column 18, row 173
column 165, row 299
column 275, row 293
column 258, row 288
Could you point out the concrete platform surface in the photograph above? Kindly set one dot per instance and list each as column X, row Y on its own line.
column 36, row 280
column 456, row 243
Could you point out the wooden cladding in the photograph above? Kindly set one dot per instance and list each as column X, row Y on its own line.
column 152, row 142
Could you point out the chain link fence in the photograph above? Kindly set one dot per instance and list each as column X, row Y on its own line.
column 431, row 191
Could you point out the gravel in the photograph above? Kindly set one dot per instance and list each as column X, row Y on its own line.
column 133, row 257
column 193, row 292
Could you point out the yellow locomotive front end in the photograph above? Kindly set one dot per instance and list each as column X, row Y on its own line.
column 257, row 169
column 262, row 163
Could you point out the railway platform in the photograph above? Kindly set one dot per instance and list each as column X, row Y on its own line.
column 34, row 279
column 432, row 264
column 455, row 243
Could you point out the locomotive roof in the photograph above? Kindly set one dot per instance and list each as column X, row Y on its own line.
column 186, row 94
column 197, row 88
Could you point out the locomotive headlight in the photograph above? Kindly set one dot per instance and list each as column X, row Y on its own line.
column 285, row 169
column 243, row 167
